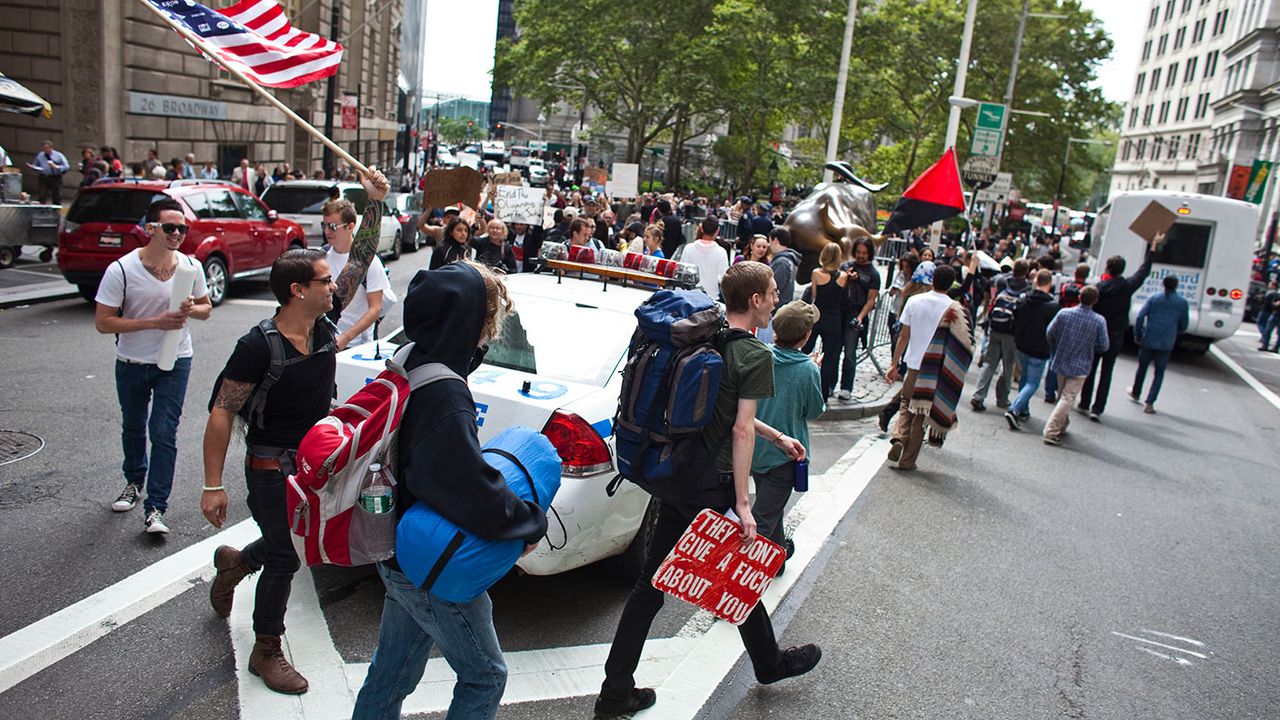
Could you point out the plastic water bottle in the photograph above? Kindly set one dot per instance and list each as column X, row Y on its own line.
column 377, row 495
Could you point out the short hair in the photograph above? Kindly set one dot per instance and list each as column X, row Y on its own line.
column 1115, row 265
column 500, row 224
column 1170, row 283
column 1021, row 268
column 664, row 206
column 710, row 226
column 782, row 235
column 161, row 204
column 944, row 276
column 743, row 280
column 1082, row 272
column 830, row 256
column 1089, row 295
column 577, row 225
column 341, row 207
column 293, row 266
column 1044, row 278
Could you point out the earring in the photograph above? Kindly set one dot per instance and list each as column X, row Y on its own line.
column 301, row 296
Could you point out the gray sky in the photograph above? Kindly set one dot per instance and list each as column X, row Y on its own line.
column 460, row 38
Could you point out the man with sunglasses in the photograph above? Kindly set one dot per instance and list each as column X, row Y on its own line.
column 133, row 304
column 278, row 404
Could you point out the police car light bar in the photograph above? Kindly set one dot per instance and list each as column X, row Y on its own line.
column 614, row 265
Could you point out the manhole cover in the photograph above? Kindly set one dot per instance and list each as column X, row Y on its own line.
column 16, row 445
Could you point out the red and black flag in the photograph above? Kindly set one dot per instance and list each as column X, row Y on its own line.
column 935, row 195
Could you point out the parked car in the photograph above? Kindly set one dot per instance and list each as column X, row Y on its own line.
column 407, row 207
column 537, row 173
column 446, row 158
column 302, row 200
column 230, row 231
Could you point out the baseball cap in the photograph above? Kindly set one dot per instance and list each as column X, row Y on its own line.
column 452, row 209
column 571, row 212
column 793, row 320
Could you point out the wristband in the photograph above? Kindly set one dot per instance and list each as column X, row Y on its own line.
column 780, row 436
column 213, row 489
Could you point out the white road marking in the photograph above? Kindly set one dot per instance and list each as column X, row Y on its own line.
column 1180, row 660
column 1160, row 644
column 253, row 302
column 685, row 669
column 1179, row 638
column 1246, row 376
column 35, row 647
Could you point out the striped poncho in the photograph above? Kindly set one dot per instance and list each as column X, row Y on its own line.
column 941, row 379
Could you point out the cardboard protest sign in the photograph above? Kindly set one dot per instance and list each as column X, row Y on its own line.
column 519, row 204
column 625, row 182
column 507, row 178
column 595, row 178
column 451, row 187
column 709, row 568
column 1153, row 220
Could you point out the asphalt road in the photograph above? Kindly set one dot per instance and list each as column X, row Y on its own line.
column 1006, row 579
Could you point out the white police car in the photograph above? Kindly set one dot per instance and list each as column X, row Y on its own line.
column 557, row 366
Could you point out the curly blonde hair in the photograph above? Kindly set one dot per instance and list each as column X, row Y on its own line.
column 498, row 303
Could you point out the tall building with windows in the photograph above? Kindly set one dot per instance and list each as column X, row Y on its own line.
column 1167, row 130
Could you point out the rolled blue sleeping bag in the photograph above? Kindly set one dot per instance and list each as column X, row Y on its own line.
column 454, row 565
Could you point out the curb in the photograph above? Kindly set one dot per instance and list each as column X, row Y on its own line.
column 48, row 293
column 857, row 411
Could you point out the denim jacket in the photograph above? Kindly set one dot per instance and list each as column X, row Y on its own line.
column 1162, row 318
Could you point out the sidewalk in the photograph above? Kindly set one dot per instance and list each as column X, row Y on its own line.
column 30, row 281
column 871, row 392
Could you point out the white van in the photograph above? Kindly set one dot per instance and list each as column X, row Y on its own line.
column 1209, row 248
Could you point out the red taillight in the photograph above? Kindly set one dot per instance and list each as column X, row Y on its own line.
column 402, row 218
column 582, row 451
column 1210, row 292
column 1237, row 294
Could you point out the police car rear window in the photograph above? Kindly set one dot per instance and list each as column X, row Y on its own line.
column 562, row 341
column 112, row 206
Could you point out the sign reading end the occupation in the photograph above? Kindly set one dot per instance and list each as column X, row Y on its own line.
column 709, row 568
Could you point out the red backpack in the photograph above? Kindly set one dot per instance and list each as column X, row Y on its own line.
column 329, row 525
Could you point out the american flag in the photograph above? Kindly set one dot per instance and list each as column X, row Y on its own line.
column 255, row 37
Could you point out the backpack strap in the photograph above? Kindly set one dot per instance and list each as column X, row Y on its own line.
column 124, row 291
column 275, row 370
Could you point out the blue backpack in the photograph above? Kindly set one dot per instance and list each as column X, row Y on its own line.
column 669, row 388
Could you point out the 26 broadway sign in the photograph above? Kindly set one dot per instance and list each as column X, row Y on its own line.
column 709, row 568
column 175, row 106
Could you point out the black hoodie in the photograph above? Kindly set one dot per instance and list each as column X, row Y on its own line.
column 440, row 460
column 1030, row 321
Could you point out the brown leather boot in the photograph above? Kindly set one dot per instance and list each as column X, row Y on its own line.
column 268, row 662
column 231, row 570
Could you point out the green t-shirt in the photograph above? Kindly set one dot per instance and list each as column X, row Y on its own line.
column 748, row 374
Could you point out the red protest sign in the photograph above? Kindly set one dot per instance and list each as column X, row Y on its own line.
column 709, row 568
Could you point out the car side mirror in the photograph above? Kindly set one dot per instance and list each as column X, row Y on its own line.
column 272, row 216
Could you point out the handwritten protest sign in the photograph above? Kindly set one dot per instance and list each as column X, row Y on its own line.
column 519, row 204
column 507, row 178
column 709, row 568
column 451, row 187
column 625, row 182
column 595, row 178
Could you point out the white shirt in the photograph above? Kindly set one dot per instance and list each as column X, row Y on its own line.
column 143, row 296
column 711, row 260
column 922, row 313
column 375, row 280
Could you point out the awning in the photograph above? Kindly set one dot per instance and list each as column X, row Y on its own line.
column 15, row 98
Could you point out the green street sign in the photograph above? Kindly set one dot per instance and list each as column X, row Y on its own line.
column 991, row 116
column 988, row 132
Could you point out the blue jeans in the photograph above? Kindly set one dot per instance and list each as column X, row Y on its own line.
column 849, row 364
column 141, row 388
column 1051, row 382
column 413, row 620
column 1032, row 370
column 1267, row 326
column 1145, row 356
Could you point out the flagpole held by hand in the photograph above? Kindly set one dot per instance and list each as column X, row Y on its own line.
column 212, row 54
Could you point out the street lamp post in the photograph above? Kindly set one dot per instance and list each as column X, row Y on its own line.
column 1062, row 175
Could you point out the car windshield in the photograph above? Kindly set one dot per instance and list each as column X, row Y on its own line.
column 117, row 206
column 296, row 200
column 548, row 337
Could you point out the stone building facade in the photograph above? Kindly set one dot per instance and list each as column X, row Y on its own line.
column 117, row 76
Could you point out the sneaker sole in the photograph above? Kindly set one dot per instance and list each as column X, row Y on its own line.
column 158, row 530
column 1013, row 423
column 895, row 452
column 120, row 508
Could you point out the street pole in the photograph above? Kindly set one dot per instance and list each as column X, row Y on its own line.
column 1062, row 179
column 842, row 79
column 962, row 71
column 1017, row 52
column 359, row 115
column 331, row 90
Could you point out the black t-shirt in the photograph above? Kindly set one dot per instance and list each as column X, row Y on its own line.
column 300, row 397
column 862, row 280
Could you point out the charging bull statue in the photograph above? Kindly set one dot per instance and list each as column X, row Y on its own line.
column 843, row 208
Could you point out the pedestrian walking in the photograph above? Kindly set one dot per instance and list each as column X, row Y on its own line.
column 51, row 165
column 1030, row 322
column 1001, row 349
column 1077, row 336
column 1163, row 317
column 449, row 313
column 364, row 303
column 784, row 263
column 133, row 304
column 708, row 256
column 1068, row 297
column 1115, row 293
column 279, row 380
column 862, row 289
column 827, row 291
column 750, row 294
column 797, row 399
column 932, row 324
column 1269, row 317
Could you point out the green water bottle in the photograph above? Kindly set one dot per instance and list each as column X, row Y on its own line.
column 377, row 495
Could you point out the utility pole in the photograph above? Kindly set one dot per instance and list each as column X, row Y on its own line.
column 962, row 71
column 842, row 79
column 331, row 91
column 1017, row 51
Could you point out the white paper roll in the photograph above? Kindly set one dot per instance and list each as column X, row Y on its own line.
column 184, row 280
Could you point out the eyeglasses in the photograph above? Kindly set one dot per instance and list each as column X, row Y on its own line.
column 333, row 227
column 171, row 228
column 326, row 280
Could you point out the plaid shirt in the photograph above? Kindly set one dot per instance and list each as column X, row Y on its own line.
column 1076, row 335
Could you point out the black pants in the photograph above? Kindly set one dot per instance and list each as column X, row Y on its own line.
column 773, row 490
column 1103, row 366
column 51, row 188
column 645, row 602
column 272, row 553
column 832, row 346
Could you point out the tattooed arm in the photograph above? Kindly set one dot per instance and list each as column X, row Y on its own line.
column 365, row 244
column 232, row 396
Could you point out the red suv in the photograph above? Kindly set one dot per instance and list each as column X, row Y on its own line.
column 231, row 232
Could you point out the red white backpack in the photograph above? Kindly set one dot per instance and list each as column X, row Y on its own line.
column 329, row 525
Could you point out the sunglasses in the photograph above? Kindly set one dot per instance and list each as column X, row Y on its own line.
column 171, row 228
column 333, row 227
column 326, row 280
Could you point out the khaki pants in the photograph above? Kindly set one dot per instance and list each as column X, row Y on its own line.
column 1068, row 391
column 908, row 428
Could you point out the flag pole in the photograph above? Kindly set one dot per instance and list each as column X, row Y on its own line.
column 212, row 54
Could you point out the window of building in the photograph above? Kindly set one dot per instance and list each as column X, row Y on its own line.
column 1157, row 148
column 1155, row 79
column 1162, row 44
column 1174, row 142
column 1142, row 148
column 1133, row 117
column 1146, row 51
column 1202, row 106
column 1142, row 79
column 1126, row 149
column 1173, row 75
column 1168, row 11
column 1164, row 112
column 1146, row 114
column 1186, row 6
column 1197, row 31
column 1181, row 113
column 1220, row 23
column 1193, row 146
column 1190, row 73
column 1211, row 64
column 1179, row 37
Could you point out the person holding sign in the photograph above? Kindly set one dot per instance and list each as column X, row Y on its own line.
column 750, row 295
column 133, row 303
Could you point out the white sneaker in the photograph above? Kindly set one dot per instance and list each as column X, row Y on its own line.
column 154, row 523
column 844, row 395
column 128, row 499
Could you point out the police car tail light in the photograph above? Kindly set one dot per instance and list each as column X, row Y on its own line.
column 582, row 451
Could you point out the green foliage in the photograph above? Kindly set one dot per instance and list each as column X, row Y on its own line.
column 460, row 130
